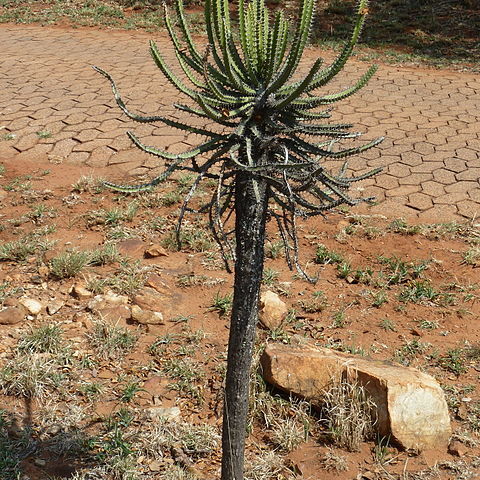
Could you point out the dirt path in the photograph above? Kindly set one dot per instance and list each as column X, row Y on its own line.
column 54, row 107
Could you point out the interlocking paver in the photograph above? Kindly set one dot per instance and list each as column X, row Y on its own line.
column 462, row 186
column 420, row 201
column 451, row 198
column 475, row 194
column 64, row 147
column 430, row 119
column 467, row 154
column 470, row 174
column 444, row 176
column 468, row 208
column 402, row 191
column 426, row 167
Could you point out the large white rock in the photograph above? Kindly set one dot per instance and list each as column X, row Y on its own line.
column 411, row 407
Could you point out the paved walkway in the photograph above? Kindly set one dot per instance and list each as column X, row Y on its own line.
column 431, row 156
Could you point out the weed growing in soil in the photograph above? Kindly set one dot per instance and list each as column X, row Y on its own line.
column 287, row 434
column 69, row 264
column 129, row 391
column 472, row 256
column 29, row 376
column 453, row 361
column 44, row 339
column 263, row 466
column 185, row 375
column 87, row 184
column 332, row 461
column 222, row 303
column 21, row 250
column 111, row 341
column 325, row 256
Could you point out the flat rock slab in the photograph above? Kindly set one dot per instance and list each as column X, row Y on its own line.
column 411, row 407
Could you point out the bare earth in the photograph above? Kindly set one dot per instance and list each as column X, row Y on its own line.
column 58, row 122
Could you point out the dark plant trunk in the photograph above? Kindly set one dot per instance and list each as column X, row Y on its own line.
column 250, row 236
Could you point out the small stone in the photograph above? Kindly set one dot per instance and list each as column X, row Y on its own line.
column 108, row 300
column 34, row 307
column 170, row 304
column 112, row 298
column 273, row 310
column 12, row 315
column 155, row 250
column 43, row 271
column 40, row 462
column 462, row 412
column 11, row 302
column 79, row 291
column 456, row 448
column 106, row 374
column 53, row 430
column 169, row 413
column 54, row 307
column 156, row 282
column 132, row 247
column 146, row 317
column 149, row 299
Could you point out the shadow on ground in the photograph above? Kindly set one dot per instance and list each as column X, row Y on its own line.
column 443, row 30
column 28, row 452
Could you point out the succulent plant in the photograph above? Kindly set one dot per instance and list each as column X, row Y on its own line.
column 266, row 151
column 271, row 127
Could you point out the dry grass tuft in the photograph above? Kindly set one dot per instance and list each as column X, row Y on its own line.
column 349, row 414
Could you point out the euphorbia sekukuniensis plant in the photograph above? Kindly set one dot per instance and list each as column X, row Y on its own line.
column 268, row 156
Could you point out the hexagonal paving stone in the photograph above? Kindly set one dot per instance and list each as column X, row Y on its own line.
column 77, row 158
column 386, row 181
column 86, row 135
column 435, row 138
column 427, row 167
column 450, row 198
column 411, row 158
column 64, row 147
column 468, row 209
column 402, row 191
column 467, row 154
column 415, row 179
column 419, row 201
column 399, row 170
column 26, row 142
column 440, row 214
column 424, row 148
column 475, row 195
column 455, row 165
column 469, row 174
column 372, row 191
column 100, row 157
column 461, row 187
column 444, row 176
